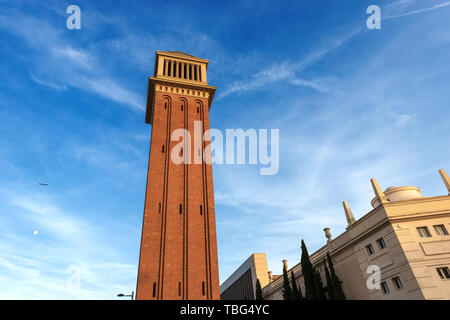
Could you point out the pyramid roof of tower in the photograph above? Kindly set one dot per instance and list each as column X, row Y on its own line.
column 179, row 53
column 182, row 54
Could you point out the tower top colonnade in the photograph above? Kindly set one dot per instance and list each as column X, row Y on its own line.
column 177, row 72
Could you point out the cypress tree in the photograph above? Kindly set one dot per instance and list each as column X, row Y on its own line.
column 287, row 292
column 330, row 290
column 300, row 295
column 296, row 293
column 337, row 290
column 259, row 295
column 318, row 286
column 308, row 274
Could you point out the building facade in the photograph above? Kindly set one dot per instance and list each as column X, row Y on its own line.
column 178, row 256
column 241, row 285
column 398, row 250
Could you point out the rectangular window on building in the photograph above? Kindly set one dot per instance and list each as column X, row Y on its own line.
column 381, row 243
column 424, row 232
column 397, row 282
column 444, row 272
column 370, row 250
column 440, row 230
column 384, row 287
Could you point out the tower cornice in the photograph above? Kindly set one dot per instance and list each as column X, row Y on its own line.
column 170, row 86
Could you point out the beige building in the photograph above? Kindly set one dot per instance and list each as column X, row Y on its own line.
column 398, row 250
column 241, row 285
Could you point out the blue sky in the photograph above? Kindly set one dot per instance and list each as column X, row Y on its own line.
column 350, row 103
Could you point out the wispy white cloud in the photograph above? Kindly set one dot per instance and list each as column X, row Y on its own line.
column 404, row 120
column 413, row 12
column 66, row 65
column 110, row 89
column 398, row 3
column 308, row 83
column 59, row 87
column 274, row 73
column 37, row 266
column 49, row 217
column 287, row 70
column 78, row 57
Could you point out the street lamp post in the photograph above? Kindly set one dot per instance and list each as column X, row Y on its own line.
column 127, row 295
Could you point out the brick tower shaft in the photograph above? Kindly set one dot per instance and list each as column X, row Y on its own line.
column 178, row 257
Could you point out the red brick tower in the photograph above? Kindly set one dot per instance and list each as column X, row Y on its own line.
column 178, row 258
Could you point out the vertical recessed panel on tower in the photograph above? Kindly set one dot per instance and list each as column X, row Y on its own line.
column 178, row 257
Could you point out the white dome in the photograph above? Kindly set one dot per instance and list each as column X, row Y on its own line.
column 399, row 194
